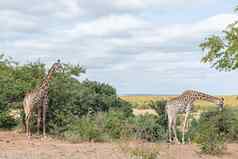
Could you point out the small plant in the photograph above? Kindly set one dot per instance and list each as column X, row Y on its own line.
column 84, row 129
column 213, row 146
column 144, row 153
column 140, row 150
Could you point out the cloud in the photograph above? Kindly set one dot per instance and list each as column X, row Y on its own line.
column 118, row 41
column 107, row 25
column 113, row 41
column 106, row 7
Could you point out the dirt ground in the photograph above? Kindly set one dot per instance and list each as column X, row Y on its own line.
column 17, row 146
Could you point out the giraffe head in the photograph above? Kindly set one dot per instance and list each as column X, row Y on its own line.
column 57, row 66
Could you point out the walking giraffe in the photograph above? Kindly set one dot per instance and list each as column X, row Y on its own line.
column 184, row 103
column 38, row 98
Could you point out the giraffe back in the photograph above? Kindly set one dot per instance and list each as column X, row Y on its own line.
column 182, row 103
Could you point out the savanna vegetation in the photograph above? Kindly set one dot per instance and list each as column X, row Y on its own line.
column 69, row 99
column 92, row 111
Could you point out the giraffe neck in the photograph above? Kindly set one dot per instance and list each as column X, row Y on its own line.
column 205, row 97
column 209, row 98
column 45, row 83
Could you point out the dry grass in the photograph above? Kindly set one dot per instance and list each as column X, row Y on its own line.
column 140, row 150
column 141, row 102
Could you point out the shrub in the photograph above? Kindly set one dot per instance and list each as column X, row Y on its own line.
column 214, row 145
column 213, row 129
column 99, row 127
column 148, row 127
column 6, row 121
column 114, row 123
column 160, row 108
column 230, row 122
column 84, row 129
column 70, row 100
column 208, row 136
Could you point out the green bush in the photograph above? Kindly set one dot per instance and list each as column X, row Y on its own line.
column 160, row 108
column 6, row 121
column 148, row 127
column 213, row 129
column 84, row 129
column 115, row 124
column 98, row 127
column 214, row 145
column 70, row 100
column 112, row 125
column 230, row 122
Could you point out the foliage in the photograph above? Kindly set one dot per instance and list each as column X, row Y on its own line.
column 6, row 121
column 148, row 127
column 213, row 146
column 84, row 129
column 160, row 108
column 98, row 127
column 69, row 99
column 222, row 51
column 114, row 124
column 214, row 128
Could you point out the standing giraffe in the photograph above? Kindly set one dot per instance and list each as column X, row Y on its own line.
column 38, row 98
column 184, row 103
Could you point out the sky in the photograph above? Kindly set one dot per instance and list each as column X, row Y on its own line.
column 137, row 46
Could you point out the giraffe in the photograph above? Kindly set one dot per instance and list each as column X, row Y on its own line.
column 38, row 99
column 184, row 104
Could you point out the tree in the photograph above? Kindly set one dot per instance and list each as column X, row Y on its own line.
column 222, row 50
column 69, row 99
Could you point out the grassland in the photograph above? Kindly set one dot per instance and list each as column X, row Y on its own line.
column 141, row 102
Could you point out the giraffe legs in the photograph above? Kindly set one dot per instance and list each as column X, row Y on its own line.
column 174, row 130
column 45, row 108
column 27, row 123
column 28, row 113
column 172, row 126
column 169, row 130
column 39, row 120
column 184, row 125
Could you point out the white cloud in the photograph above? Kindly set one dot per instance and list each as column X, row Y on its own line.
column 190, row 31
column 106, row 7
column 107, row 25
column 154, row 3
column 112, row 39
